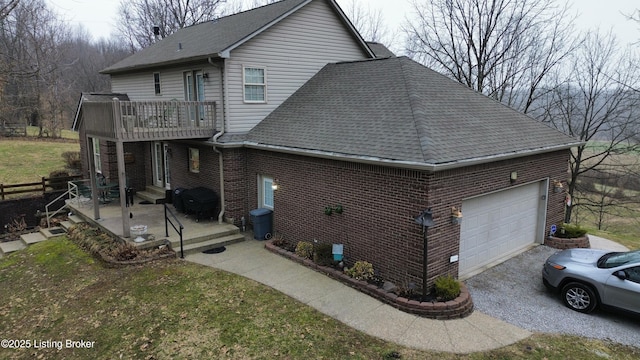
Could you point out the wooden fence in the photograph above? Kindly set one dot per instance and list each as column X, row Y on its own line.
column 41, row 187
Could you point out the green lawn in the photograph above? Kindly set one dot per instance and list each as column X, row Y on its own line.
column 28, row 160
column 177, row 310
column 66, row 134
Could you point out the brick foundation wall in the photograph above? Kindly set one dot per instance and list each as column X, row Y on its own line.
column 380, row 204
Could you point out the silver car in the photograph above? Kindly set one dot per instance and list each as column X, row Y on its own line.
column 588, row 278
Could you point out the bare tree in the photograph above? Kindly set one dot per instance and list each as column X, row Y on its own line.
column 505, row 49
column 6, row 6
column 595, row 104
column 635, row 16
column 369, row 21
column 139, row 17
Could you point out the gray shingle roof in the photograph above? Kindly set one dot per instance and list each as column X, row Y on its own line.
column 209, row 39
column 380, row 50
column 395, row 109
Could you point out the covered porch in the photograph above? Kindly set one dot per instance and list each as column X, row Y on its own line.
column 121, row 121
column 197, row 236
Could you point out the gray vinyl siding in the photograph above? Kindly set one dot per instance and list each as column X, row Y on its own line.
column 292, row 51
column 140, row 86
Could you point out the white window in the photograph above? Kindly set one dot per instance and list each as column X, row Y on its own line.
column 266, row 192
column 156, row 83
column 255, row 84
column 96, row 154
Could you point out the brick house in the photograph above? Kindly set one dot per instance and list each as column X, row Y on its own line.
column 305, row 118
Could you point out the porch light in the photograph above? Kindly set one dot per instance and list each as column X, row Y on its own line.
column 557, row 186
column 514, row 176
column 274, row 185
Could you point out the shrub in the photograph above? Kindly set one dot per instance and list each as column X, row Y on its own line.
column 304, row 249
column 323, row 255
column 447, row 288
column 110, row 249
column 122, row 252
column 361, row 270
column 55, row 182
column 568, row 231
column 72, row 160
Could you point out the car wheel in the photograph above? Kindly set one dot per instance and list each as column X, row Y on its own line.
column 579, row 297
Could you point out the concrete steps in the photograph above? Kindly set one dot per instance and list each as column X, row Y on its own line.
column 209, row 238
column 203, row 245
column 153, row 194
column 11, row 246
column 36, row 237
column 30, row 239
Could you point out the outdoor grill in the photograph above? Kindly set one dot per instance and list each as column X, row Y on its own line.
column 200, row 201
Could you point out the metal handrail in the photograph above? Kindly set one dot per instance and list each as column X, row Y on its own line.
column 46, row 207
column 168, row 221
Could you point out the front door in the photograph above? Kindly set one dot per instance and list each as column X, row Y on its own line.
column 161, row 172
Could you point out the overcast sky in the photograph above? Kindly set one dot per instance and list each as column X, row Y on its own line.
column 98, row 17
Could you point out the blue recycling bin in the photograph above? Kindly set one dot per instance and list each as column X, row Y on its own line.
column 262, row 220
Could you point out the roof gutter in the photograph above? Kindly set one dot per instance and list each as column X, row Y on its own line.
column 414, row 165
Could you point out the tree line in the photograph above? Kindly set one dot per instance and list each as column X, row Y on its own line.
column 526, row 54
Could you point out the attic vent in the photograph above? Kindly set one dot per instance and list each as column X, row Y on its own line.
column 156, row 30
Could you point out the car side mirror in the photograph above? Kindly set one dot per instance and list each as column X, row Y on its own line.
column 620, row 274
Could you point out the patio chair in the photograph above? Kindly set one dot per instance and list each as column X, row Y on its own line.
column 84, row 193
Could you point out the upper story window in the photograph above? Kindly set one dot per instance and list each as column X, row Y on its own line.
column 255, row 84
column 156, row 83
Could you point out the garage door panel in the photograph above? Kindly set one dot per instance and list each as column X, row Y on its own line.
column 496, row 225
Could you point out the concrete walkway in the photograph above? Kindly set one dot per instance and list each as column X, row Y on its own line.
column 477, row 332
column 602, row 243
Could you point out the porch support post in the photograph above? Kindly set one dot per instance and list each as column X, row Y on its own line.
column 122, row 183
column 92, row 177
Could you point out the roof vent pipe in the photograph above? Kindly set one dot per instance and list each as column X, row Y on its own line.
column 179, row 46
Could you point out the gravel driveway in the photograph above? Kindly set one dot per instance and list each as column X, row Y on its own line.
column 513, row 292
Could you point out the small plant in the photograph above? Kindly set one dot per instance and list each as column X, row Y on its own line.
column 17, row 225
column 278, row 240
column 323, row 255
column 361, row 270
column 328, row 210
column 304, row 249
column 407, row 290
column 447, row 288
column 568, row 231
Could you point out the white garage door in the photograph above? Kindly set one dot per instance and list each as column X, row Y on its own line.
column 498, row 226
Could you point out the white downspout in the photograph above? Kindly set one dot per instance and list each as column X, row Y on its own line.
column 223, row 93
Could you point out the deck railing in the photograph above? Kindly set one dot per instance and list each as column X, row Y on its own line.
column 150, row 120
